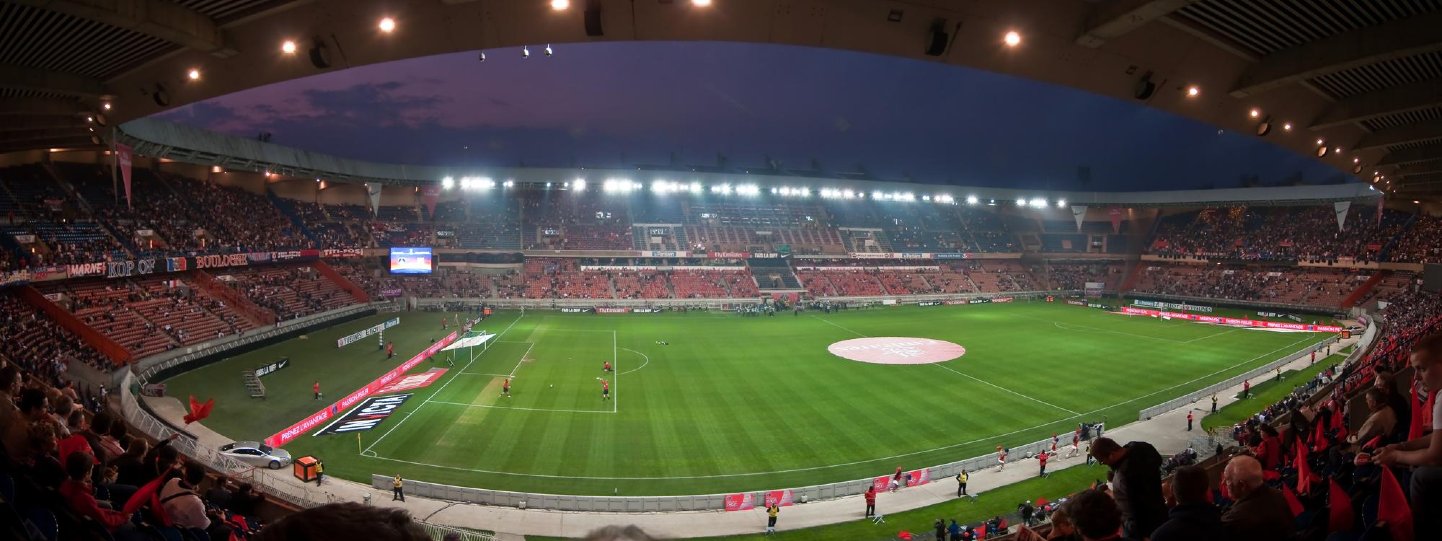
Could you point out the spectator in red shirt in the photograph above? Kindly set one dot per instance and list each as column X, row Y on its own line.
column 80, row 496
column 871, row 500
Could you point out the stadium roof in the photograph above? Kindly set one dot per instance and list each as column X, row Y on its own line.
column 1346, row 80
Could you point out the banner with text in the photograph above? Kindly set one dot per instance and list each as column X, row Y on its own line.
column 1232, row 321
column 370, row 331
column 285, row 436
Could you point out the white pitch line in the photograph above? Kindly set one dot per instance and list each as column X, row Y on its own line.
column 836, row 465
column 979, row 380
column 828, row 322
column 517, row 408
column 437, row 391
column 616, row 385
column 643, row 365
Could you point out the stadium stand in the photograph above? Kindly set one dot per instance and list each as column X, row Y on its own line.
column 1298, row 286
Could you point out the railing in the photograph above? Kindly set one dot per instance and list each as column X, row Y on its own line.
column 661, row 504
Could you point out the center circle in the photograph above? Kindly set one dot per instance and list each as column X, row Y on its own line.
column 896, row 350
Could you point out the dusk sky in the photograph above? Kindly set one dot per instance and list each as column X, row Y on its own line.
column 622, row 104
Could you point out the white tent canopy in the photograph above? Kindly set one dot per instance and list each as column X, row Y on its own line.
column 470, row 341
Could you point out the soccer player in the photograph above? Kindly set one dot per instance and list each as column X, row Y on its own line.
column 390, row 350
column 1053, row 442
column 1075, row 444
column 1247, row 389
column 1042, row 458
column 1000, row 458
column 606, row 366
column 315, row 387
column 605, row 390
column 506, row 388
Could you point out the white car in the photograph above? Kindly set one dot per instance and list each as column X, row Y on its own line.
column 257, row 454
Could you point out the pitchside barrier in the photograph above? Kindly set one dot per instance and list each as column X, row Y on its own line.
column 728, row 304
column 1261, row 372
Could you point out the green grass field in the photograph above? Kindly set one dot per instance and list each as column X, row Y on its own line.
column 732, row 403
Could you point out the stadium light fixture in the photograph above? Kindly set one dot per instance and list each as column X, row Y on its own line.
column 1061, row 203
column 549, row 52
column 193, row 74
column 510, row 184
column 1020, row 202
column 1264, row 127
column 560, row 5
column 1012, row 38
column 1321, row 141
column 1287, row 126
column 1038, row 202
column 482, row 57
column 448, row 183
column 579, row 184
column 991, row 203
column 1193, row 91
column 748, row 189
column 288, row 47
column 525, row 52
column 1323, row 150
column 1255, row 113
column 1356, row 160
column 701, row 3
column 387, row 25
column 971, row 200
column 1337, row 150
column 216, row 169
column 105, row 105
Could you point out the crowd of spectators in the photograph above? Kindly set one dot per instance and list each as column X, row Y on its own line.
column 1289, row 285
column 73, row 470
column 1308, row 234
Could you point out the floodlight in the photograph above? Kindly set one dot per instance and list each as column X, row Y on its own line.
column 288, row 47
column 448, row 183
column 387, row 25
column 579, row 184
column 971, row 200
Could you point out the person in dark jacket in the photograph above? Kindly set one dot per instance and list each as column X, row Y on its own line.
column 1136, row 479
column 1096, row 516
column 1260, row 513
column 1193, row 519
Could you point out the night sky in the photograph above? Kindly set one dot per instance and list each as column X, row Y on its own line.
column 623, row 104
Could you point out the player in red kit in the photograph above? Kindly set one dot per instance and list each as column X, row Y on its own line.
column 1044, row 455
column 1247, row 389
column 606, row 366
column 316, row 388
column 605, row 390
column 1053, row 442
column 390, row 350
column 506, row 388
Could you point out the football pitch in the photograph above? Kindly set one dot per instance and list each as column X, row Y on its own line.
column 727, row 403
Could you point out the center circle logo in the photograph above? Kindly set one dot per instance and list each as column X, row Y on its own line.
column 896, row 350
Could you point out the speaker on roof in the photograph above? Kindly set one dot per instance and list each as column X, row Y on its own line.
column 593, row 20
column 936, row 38
column 1144, row 87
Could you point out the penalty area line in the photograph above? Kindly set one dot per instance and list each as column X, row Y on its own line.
column 438, row 390
column 979, row 380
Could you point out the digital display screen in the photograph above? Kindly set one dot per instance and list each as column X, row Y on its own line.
column 411, row 260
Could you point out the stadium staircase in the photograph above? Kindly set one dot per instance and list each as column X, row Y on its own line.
column 1386, row 252
column 238, row 302
column 287, row 209
column 1366, row 287
column 1131, row 279
column 253, row 386
column 107, row 347
column 345, row 284
column 779, row 268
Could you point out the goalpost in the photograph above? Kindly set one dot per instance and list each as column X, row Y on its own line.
column 470, row 343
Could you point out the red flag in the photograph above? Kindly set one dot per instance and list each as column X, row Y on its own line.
column 199, row 411
column 1292, row 502
column 1414, row 430
column 123, row 157
column 1339, row 509
column 1305, row 477
column 1339, row 421
column 1319, row 439
column 149, row 494
column 1392, row 508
